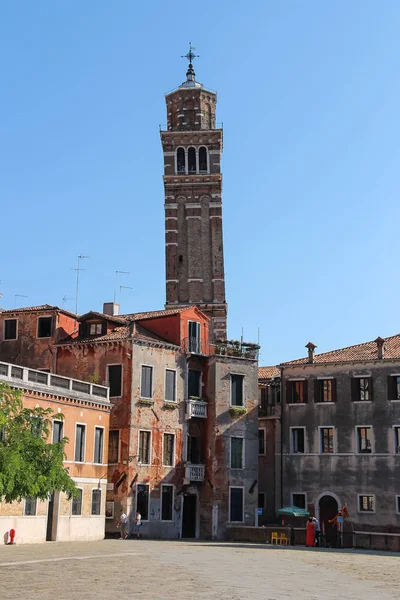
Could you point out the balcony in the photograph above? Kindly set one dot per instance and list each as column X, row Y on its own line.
column 237, row 348
column 195, row 472
column 193, row 345
column 196, row 408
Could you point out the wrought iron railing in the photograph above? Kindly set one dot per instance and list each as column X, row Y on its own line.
column 237, row 348
column 197, row 408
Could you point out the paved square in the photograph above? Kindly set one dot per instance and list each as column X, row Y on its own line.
column 161, row 569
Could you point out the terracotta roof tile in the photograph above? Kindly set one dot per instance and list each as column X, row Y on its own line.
column 41, row 308
column 154, row 314
column 268, row 372
column 360, row 352
column 115, row 319
column 119, row 333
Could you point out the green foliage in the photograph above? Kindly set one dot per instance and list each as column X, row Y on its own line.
column 30, row 467
column 237, row 411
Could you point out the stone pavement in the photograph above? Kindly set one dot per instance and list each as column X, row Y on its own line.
column 145, row 569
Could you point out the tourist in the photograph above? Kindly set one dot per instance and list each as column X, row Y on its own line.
column 317, row 532
column 123, row 519
column 138, row 522
column 310, row 532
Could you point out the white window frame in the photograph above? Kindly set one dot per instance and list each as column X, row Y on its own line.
column 365, row 512
column 357, row 427
column 397, row 504
column 152, row 381
column 80, row 462
column 229, row 506
column 150, row 449
column 36, row 507
column 394, row 375
column 264, row 430
column 244, row 404
column 148, row 501
column 173, row 449
column 122, row 378
column 369, row 389
column 173, row 500
column 74, row 516
column 299, row 494
column 395, row 447
column 96, row 325
column 37, row 327
column 52, row 429
column 305, row 441
column 199, row 330
column 165, row 384
column 98, row 489
column 320, row 428
column 243, row 452
column 94, row 444
column 16, row 330
column 119, row 445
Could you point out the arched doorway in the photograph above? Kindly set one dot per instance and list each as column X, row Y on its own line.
column 328, row 509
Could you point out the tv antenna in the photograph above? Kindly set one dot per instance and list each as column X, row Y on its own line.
column 65, row 300
column 116, row 281
column 78, row 270
column 18, row 296
column 124, row 287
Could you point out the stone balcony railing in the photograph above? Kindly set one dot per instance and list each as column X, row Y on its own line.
column 195, row 472
column 196, row 408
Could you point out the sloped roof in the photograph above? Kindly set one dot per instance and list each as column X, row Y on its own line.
column 123, row 332
column 360, row 352
column 116, row 319
column 40, row 308
column 268, row 372
column 154, row 314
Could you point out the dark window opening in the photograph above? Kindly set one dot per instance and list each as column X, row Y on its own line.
column 194, row 337
column 192, row 160
column 325, row 390
column 261, row 500
column 98, row 445
column 394, row 387
column 364, row 436
column 30, row 507
column 168, row 450
column 58, row 433
column 237, row 390
column 193, row 450
column 80, row 443
column 327, row 440
column 144, row 447
column 236, row 453
column 297, row 392
column 366, row 503
column 194, row 384
column 397, row 440
column 77, row 503
column 236, row 504
column 180, row 258
column 361, row 389
column 299, row 500
column 10, row 329
column 142, row 502
column 261, row 441
column 298, row 441
column 96, row 502
column 115, row 380
column 167, row 494
column 203, row 160
column 45, row 325
column 180, row 160
column 113, row 446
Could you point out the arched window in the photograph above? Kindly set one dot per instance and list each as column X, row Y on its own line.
column 203, row 160
column 180, row 160
column 192, row 160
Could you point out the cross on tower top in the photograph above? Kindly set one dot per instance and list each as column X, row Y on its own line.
column 190, row 56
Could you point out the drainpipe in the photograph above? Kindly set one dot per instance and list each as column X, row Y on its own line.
column 281, row 425
column 185, row 396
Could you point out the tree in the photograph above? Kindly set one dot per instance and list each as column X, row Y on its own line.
column 30, row 466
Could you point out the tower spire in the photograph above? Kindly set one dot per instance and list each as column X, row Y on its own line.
column 190, row 56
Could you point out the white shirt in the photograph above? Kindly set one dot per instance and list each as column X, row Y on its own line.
column 123, row 518
column 138, row 518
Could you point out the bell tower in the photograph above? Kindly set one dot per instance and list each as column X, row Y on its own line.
column 192, row 148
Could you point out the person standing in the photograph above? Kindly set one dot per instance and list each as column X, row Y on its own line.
column 317, row 532
column 138, row 522
column 122, row 525
column 310, row 532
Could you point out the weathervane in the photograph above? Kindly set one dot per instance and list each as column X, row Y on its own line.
column 190, row 56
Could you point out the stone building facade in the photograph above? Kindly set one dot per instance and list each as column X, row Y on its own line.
column 192, row 148
column 86, row 410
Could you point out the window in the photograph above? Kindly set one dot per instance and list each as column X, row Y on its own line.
column 361, row 389
column 37, row 426
column 113, row 446
column 144, row 447
column 298, row 445
column 194, row 384
column 192, row 160
column 167, row 496
column 299, row 500
column 396, row 439
column 364, row 440
column 297, row 392
column 95, row 328
column 114, row 378
column 30, row 507
column 45, row 326
column 96, row 502
column 326, row 441
column 170, row 385
column 10, row 329
column 325, row 390
column 194, row 344
column 366, row 503
column 142, row 500
column 237, row 390
column 77, row 503
column 261, row 441
column 236, row 504
column 203, row 160
column 80, row 443
column 398, row 504
column 168, row 449
column 58, row 431
column 261, row 500
column 146, row 388
column 193, row 450
column 180, row 160
column 393, row 387
column 98, row 444
column 237, row 451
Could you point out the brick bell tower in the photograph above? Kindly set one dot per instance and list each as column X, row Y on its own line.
column 192, row 147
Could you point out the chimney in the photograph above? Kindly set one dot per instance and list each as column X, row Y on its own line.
column 111, row 308
column 381, row 351
column 311, row 348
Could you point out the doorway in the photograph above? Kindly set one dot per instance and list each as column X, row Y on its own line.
column 189, row 516
column 328, row 509
column 50, row 519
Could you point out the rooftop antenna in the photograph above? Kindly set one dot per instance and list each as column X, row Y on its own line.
column 116, row 281
column 18, row 296
column 78, row 270
column 124, row 287
column 258, row 336
column 65, row 300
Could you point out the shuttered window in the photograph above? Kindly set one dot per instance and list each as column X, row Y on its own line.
column 114, row 377
column 168, row 449
column 297, row 392
column 77, row 503
column 194, row 384
column 96, row 502
column 194, row 337
column 170, row 385
column 144, row 447
column 146, row 389
column 237, row 390
column 236, row 504
column 98, row 444
column 80, row 443
column 393, row 387
column 237, row 453
column 364, row 440
column 113, row 446
column 58, row 435
column 361, row 389
column 30, row 507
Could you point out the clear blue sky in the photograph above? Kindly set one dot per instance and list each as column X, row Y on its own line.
column 309, row 96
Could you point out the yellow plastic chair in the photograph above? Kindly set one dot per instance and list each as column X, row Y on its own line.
column 284, row 539
column 275, row 538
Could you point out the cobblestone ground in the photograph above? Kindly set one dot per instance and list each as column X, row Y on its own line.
column 122, row 569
